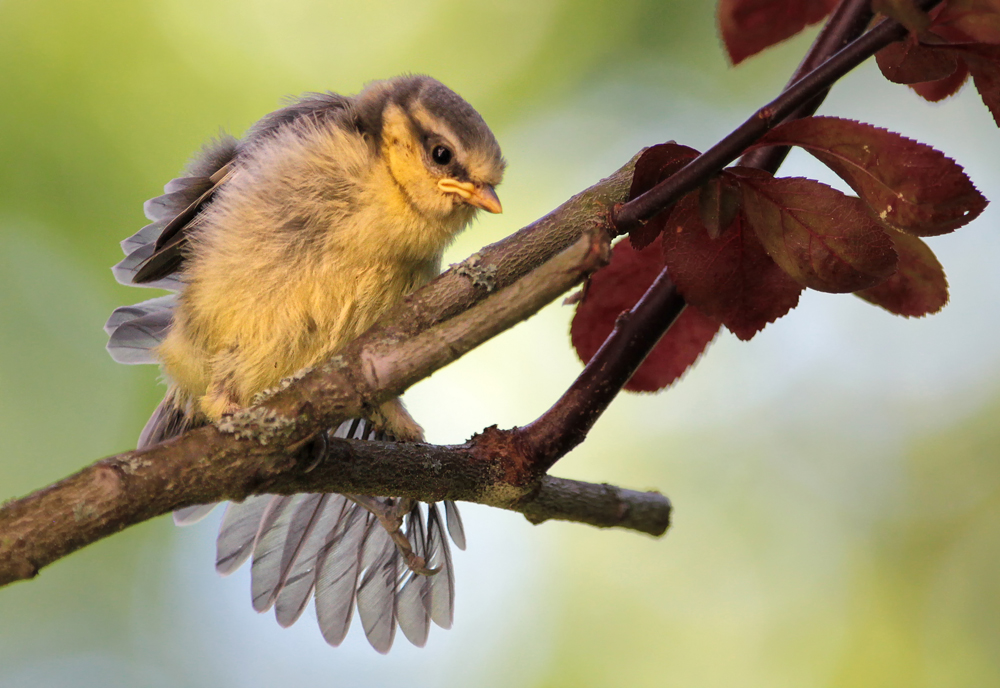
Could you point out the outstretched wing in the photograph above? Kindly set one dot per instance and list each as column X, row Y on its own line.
column 327, row 547
column 154, row 256
column 155, row 253
column 168, row 249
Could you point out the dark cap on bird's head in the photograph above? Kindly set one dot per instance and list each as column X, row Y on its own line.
column 456, row 147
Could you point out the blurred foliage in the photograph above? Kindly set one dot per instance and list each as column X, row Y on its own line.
column 794, row 585
column 804, row 552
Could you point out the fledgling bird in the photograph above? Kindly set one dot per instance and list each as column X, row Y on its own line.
column 281, row 247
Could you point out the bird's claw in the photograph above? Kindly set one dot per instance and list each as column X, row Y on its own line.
column 316, row 451
column 390, row 516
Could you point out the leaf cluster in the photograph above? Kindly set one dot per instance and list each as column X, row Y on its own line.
column 743, row 246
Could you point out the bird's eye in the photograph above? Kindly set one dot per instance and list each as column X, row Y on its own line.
column 441, row 155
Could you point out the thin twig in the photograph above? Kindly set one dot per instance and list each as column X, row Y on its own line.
column 567, row 422
column 846, row 23
column 639, row 210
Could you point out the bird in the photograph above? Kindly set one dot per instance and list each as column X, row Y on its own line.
column 278, row 248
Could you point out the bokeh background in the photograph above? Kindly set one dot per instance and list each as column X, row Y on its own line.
column 836, row 480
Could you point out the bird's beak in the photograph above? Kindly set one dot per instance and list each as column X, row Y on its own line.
column 481, row 196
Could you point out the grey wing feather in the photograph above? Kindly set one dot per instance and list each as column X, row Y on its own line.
column 186, row 190
column 455, row 528
column 377, row 592
column 337, row 575
column 265, row 571
column 168, row 251
column 138, row 329
column 301, row 577
column 125, row 314
column 146, row 235
column 443, row 583
column 155, row 252
column 167, row 421
column 308, row 509
column 190, row 515
column 125, row 271
column 178, row 194
column 414, row 600
column 238, row 532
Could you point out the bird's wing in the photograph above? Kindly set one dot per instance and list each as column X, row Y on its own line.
column 155, row 253
column 168, row 249
column 134, row 331
column 326, row 546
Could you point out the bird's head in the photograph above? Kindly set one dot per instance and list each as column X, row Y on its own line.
column 436, row 146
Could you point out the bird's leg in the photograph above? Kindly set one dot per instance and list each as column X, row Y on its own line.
column 218, row 403
column 390, row 515
column 220, row 398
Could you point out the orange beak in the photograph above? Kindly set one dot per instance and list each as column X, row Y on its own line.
column 481, row 196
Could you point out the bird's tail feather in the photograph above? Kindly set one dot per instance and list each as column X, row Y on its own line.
column 170, row 419
column 326, row 547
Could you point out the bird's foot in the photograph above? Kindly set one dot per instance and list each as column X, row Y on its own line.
column 315, row 451
column 390, row 515
column 393, row 419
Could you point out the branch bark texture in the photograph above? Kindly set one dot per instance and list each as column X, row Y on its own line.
column 266, row 449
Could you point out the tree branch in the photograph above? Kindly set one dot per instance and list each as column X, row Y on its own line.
column 846, row 23
column 265, row 449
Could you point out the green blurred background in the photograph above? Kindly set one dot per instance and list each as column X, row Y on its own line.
column 835, row 480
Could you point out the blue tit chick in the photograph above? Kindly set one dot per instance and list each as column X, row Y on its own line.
column 282, row 247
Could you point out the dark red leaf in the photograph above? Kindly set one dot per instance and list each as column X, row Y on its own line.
column 680, row 348
column 977, row 21
column 908, row 185
column 718, row 205
column 918, row 287
column 730, row 278
column 936, row 91
column 653, row 166
column 984, row 64
column 749, row 26
column 614, row 289
column 905, row 12
column 909, row 62
column 821, row 237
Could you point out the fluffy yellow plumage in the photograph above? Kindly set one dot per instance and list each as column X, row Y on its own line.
column 358, row 227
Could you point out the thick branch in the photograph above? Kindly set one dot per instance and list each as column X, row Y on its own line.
column 263, row 449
